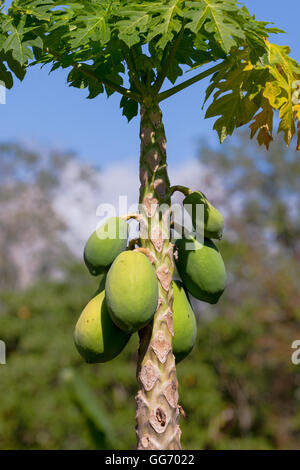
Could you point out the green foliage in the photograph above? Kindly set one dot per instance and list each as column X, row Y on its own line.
column 250, row 92
column 97, row 418
column 29, row 183
column 16, row 41
column 44, row 408
column 237, row 387
column 99, row 41
column 220, row 19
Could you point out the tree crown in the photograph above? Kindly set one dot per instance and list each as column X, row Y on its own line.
column 105, row 44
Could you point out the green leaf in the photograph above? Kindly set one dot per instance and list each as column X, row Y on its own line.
column 16, row 41
column 18, row 69
column 90, row 26
column 130, row 108
column 96, row 39
column 230, row 102
column 77, row 79
column 165, row 21
column 131, row 25
column 5, row 76
column 95, row 89
column 244, row 91
column 218, row 18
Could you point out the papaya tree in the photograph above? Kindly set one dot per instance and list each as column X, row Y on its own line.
column 135, row 48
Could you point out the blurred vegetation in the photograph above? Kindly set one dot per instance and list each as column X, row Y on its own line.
column 238, row 387
column 31, row 229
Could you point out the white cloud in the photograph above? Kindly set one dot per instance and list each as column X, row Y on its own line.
column 77, row 200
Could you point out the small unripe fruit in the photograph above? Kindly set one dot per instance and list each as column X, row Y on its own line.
column 184, row 323
column 105, row 244
column 201, row 268
column 213, row 219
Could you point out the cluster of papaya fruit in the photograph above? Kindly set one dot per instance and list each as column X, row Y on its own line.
column 127, row 297
column 200, row 265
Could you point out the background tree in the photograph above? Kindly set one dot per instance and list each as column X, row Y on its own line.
column 31, row 229
column 147, row 42
column 238, row 387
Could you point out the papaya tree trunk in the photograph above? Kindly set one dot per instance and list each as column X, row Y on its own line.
column 157, row 413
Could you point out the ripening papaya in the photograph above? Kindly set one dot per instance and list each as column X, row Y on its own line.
column 213, row 219
column 201, row 268
column 105, row 244
column 184, row 323
column 131, row 291
column 96, row 337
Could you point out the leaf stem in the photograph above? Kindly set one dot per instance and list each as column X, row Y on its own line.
column 133, row 242
column 163, row 73
column 172, row 91
column 130, row 216
column 132, row 69
column 182, row 189
column 81, row 68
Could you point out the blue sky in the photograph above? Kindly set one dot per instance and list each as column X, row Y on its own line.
column 45, row 112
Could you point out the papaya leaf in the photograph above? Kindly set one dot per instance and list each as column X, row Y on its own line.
column 131, row 24
column 130, row 108
column 102, row 40
column 77, row 79
column 284, row 73
column 5, row 76
column 165, row 21
column 90, row 26
column 18, row 69
column 16, row 41
column 217, row 17
column 232, row 100
column 95, row 89
column 263, row 123
column 244, row 91
column 297, row 115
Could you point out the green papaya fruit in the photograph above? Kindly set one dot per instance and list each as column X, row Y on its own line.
column 105, row 244
column 184, row 323
column 201, row 268
column 131, row 291
column 96, row 337
column 213, row 219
